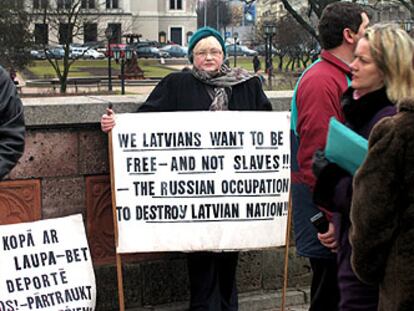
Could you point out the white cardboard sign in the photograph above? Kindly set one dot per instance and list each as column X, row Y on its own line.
column 46, row 265
column 189, row 181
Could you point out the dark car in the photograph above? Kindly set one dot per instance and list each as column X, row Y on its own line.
column 95, row 45
column 150, row 52
column 145, row 43
column 55, row 52
column 261, row 49
column 175, row 50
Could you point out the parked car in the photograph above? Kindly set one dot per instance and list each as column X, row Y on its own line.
column 261, row 49
column 151, row 52
column 37, row 54
column 93, row 54
column 146, row 43
column 77, row 51
column 241, row 50
column 99, row 46
column 95, row 45
column 175, row 50
column 56, row 52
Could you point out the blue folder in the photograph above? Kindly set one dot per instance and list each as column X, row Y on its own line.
column 345, row 147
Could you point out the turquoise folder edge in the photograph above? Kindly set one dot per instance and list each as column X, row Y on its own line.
column 345, row 147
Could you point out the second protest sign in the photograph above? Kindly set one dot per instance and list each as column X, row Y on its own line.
column 190, row 181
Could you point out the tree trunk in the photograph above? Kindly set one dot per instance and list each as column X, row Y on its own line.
column 288, row 65
column 280, row 66
column 63, row 84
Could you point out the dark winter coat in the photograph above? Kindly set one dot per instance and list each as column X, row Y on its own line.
column 181, row 91
column 382, row 213
column 11, row 124
column 333, row 190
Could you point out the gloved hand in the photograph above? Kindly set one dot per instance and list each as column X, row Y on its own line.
column 319, row 162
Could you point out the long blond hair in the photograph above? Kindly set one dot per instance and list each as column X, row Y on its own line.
column 393, row 52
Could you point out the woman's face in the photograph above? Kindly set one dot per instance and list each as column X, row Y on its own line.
column 208, row 55
column 366, row 76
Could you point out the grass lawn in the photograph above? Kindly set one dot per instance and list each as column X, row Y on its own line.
column 151, row 67
column 86, row 68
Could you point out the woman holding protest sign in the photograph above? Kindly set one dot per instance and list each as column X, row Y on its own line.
column 209, row 85
column 380, row 70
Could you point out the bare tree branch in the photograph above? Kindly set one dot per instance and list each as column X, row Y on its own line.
column 300, row 19
column 316, row 7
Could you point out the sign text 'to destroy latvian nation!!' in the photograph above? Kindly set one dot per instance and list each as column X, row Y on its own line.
column 189, row 181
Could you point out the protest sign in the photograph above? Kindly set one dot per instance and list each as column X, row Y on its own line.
column 46, row 265
column 187, row 181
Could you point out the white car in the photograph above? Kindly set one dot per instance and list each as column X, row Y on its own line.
column 77, row 51
column 85, row 52
column 93, row 54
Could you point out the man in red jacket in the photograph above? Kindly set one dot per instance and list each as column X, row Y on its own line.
column 316, row 99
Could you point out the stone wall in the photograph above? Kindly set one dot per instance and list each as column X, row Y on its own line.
column 64, row 171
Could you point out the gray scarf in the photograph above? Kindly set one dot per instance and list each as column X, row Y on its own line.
column 219, row 86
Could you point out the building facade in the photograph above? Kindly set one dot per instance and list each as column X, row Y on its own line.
column 155, row 20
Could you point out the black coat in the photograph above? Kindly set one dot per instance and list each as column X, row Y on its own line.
column 11, row 124
column 333, row 190
column 181, row 91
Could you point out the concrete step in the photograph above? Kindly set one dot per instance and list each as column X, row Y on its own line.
column 296, row 300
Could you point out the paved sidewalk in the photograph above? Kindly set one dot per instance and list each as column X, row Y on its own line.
column 296, row 300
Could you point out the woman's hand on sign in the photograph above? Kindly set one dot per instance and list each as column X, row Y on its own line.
column 108, row 120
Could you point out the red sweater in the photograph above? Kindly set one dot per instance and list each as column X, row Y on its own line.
column 318, row 99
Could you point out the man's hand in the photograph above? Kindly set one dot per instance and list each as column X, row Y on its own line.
column 319, row 162
column 108, row 120
column 327, row 239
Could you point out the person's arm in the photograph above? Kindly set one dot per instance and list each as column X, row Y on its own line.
column 262, row 102
column 318, row 100
column 12, row 127
column 333, row 187
column 159, row 99
column 163, row 97
column 375, row 203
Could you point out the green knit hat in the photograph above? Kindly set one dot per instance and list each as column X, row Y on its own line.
column 202, row 33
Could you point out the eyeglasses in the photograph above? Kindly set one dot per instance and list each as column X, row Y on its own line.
column 204, row 53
